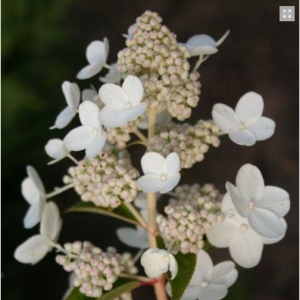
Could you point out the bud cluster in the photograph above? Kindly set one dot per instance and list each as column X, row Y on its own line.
column 189, row 142
column 154, row 54
column 95, row 271
column 107, row 179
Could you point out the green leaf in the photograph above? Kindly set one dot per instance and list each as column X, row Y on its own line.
column 122, row 212
column 121, row 286
column 186, row 267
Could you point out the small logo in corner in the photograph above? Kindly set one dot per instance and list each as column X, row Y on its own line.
column 286, row 13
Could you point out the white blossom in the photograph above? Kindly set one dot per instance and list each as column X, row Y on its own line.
column 96, row 55
column 133, row 237
column 245, row 125
column 161, row 174
column 90, row 136
column 56, row 149
column 159, row 261
column 210, row 282
column 72, row 95
column 91, row 95
column 203, row 44
column 263, row 206
column 34, row 193
column 35, row 248
column 130, row 32
column 245, row 245
column 162, row 119
column 113, row 75
column 122, row 104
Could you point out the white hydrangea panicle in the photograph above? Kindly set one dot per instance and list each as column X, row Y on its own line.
column 35, row 248
column 130, row 32
column 161, row 174
column 33, row 191
column 91, row 95
column 203, row 44
column 159, row 261
column 245, row 245
column 96, row 55
column 113, row 75
column 90, row 136
column 55, row 148
column 122, row 104
column 72, row 95
column 209, row 282
column 244, row 126
column 263, row 207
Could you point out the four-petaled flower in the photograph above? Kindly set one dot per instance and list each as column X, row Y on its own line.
column 159, row 261
column 72, row 95
column 34, row 193
column 35, row 248
column 161, row 174
column 56, row 149
column 130, row 32
column 122, row 104
column 96, row 55
column 203, row 44
column 245, row 125
column 90, row 136
column 263, row 207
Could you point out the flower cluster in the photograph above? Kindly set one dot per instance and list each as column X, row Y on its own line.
column 153, row 50
column 189, row 142
column 106, row 180
column 95, row 271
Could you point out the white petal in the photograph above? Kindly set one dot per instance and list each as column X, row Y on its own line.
column 242, row 137
column 213, row 292
column 250, row 183
column 265, row 223
column 32, row 173
column 268, row 241
column 32, row 250
column 222, row 233
column 72, row 94
column 113, row 118
column 153, row 163
column 150, row 183
column 239, row 202
column 96, row 146
column 106, row 46
column 113, row 75
column 136, row 111
column 224, row 273
column 134, row 89
column 79, row 138
column 263, row 129
column 56, row 149
column 64, row 118
column 170, row 183
column 96, row 52
column 224, row 117
column 90, row 70
column 201, row 40
column 133, row 238
column 173, row 266
column 227, row 205
column 223, row 38
column 172, row 163
column 191, row 292
column 249, row 108
column 51, row 221
column 141, row 201
column 89, row 114
column 246, row 248
column 203, row 50
column 113, row 95
column 30, row 191
column 203, row 270
column 33, row 215
column 276, row 200
column 89, row 95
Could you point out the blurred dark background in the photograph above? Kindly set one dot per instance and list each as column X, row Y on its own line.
column 43, row 44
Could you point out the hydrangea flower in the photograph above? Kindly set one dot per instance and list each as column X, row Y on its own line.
column 161, row 174
column 245, row 125
column 210, row 282
column 159, row 261
column 35, row 248
column 56, row 149
column 34, row 193
column 130, row 32
column 113, row 75
column 203, row 44
column 122, row 104
column 90, row 136
column 245, row 245
column 91, row 95
column 72, row 96
column 263, row 206
column 96, row 55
